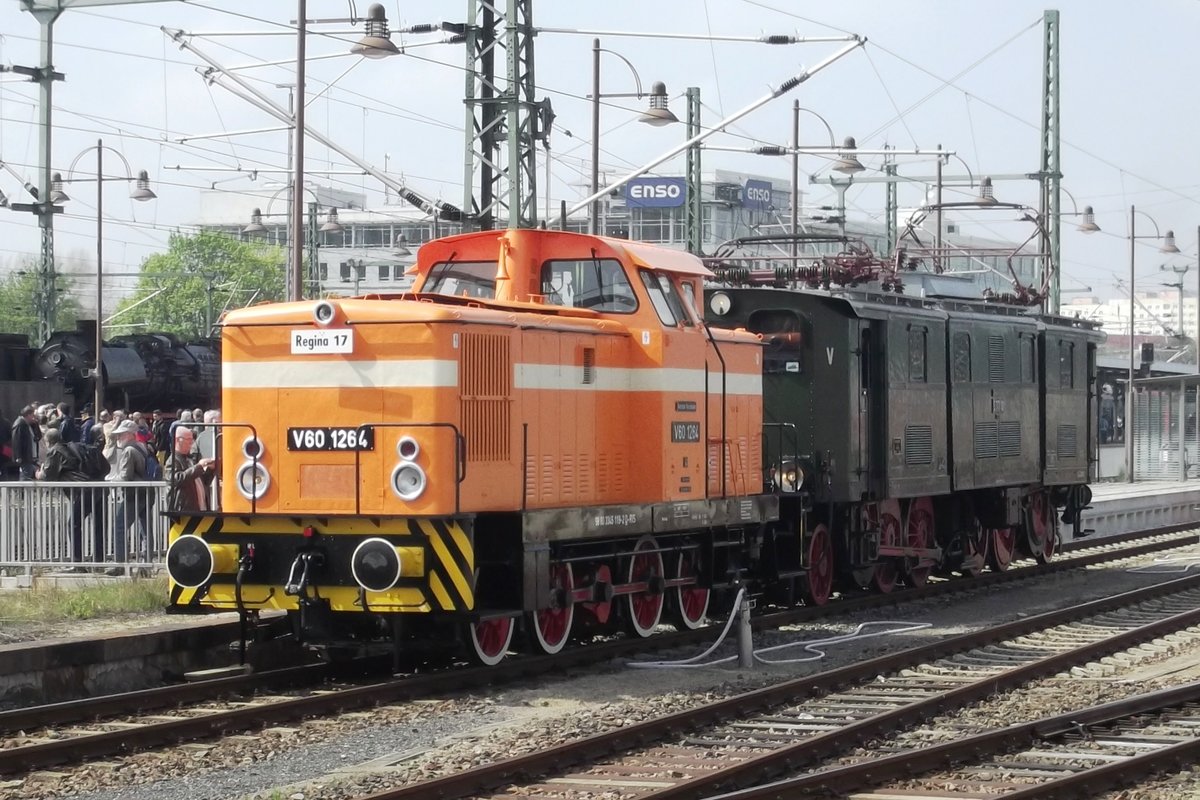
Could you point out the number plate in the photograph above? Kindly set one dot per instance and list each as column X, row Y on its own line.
column 331, row 439
column 311, row 342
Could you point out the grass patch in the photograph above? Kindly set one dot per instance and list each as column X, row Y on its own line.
column 53, row 604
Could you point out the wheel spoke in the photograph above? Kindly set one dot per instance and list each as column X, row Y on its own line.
column 645, row 608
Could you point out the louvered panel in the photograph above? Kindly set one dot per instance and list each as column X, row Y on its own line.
column 1067, row 441
column 566, row 478
column 485, row 389
column 603, row 475
column 987, row 443
column 547, row 481
column 996, row 366
column 531, row 481
column 586, row 491
column 918, row 444
column 1010, row 439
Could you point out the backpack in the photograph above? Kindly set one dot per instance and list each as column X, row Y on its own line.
column 91, row 460
column 153, row 468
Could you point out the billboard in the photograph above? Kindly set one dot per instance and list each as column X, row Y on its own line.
column 757, row 195
column 655, row 192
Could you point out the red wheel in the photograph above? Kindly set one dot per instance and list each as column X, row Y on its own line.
column 818, row 581
column 645, row 607
column 690, row 603
column 1004, row 545
column 860, row 577
column 918, row 533
column 890, row 529
column 489, row 640
column 976, row 550
column 552, row 626
column 1041, row 532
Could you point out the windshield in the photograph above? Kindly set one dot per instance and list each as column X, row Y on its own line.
column 598, row 284
column 462, row 279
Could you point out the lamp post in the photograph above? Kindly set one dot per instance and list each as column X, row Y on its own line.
column 1168, row 246
column 331, row 225
column 377, row 43
column 846, row 164
column 142, row 193
column 657, row 114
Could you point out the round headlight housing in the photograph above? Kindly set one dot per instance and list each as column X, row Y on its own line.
column 252, row 447
column 408, row 481
column 720, row 303
column 190, row 561
column 253, row 480
column 324, row 312
column 408, row 448
column 375, row 565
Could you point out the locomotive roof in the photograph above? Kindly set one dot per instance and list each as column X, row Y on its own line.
column 882, row 305
column 641, row 254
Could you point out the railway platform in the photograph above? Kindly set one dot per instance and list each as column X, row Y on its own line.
column 1125, row 507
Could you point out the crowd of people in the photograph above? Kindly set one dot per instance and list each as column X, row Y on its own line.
column 47, row 443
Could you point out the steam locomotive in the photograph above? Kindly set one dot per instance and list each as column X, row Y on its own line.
column 548, row 435
column 140, row 371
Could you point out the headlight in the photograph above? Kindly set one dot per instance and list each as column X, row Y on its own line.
column 324, row 312
column 191, row 561
column 253, row 480
column 408, row 480
column 788, row 477
column 407, row 448
column 375, row 565
column 720, row 303
column 252, row 448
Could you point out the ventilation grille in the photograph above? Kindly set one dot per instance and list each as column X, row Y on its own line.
column 987, row 443
column 589, row 365
column 996, row 359
column 1010, row 439
column 1067, row 439
column 918, row 444
column 485, row 389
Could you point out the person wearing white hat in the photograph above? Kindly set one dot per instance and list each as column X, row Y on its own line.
column 131, row 466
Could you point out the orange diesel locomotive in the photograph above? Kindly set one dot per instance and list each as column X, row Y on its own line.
column 543, row 431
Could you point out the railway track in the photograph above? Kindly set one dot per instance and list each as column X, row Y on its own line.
column 98, row 727
column 759, row 736
column 1066, row 755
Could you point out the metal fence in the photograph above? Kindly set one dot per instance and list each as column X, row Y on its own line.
column 93, row 524
column 1165, row 442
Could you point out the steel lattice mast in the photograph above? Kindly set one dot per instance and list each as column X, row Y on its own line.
column 503, row 120
column 1051, row 168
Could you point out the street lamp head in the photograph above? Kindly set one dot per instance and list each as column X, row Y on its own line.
column 987, row 192
column 57, row 195
column 1169, row 244
column 1089, row 221
column 331, row 223
column 848, row 163
column 141, row 190
column 400, row 246
column 377, row 43
column 256, row 223
column 658, row 114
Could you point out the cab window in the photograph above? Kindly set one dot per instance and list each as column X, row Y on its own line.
column 598, row 284
column 462, row 279
column 660, row 298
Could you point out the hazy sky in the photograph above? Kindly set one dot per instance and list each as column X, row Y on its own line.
column 965, row 75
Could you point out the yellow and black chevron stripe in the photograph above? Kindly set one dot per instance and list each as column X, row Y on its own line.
column 437, row 558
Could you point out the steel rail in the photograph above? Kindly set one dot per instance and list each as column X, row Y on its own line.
column 906, row 765
column 792, row 757
column 450, row 680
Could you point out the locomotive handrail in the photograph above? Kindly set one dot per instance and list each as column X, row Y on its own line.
column 197, row 427
column 460, row 457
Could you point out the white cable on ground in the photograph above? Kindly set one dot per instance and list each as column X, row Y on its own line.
column 1169, row 565
column 811, row 646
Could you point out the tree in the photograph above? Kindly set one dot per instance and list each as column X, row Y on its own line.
column 184, row 290
column 18, row 313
